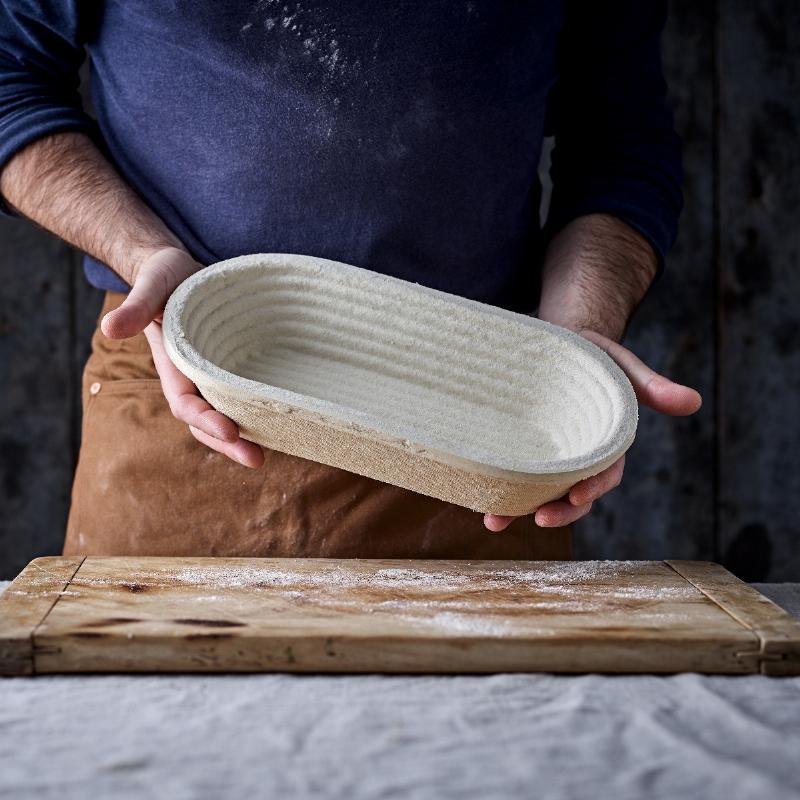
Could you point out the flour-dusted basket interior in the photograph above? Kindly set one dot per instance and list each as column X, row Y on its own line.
column 493, row 410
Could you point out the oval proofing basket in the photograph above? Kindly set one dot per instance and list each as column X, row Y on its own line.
column 492, row 410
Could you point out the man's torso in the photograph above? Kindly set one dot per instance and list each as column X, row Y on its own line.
column 400, row 137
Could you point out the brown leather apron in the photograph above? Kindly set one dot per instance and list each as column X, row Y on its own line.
column 145, row 486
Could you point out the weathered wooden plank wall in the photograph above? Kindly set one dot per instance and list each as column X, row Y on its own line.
column 725, row 318
column 46, row 315
column 759, row 287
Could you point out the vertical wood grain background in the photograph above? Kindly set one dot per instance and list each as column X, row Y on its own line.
column 725, row 318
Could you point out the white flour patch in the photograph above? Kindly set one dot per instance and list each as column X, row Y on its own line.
column 607, row 580
column 318, row 40
column 312, row 52
column 448, row 622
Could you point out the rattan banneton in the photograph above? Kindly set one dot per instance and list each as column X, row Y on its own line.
column 482, row 407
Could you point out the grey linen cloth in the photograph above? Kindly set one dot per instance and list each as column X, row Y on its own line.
column 497, row 736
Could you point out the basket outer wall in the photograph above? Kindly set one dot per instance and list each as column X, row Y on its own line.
column 353, row 451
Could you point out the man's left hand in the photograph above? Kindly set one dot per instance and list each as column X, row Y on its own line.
column 652, row 390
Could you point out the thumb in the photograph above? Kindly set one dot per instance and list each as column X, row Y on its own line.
column 156, row 279
column 652, row 390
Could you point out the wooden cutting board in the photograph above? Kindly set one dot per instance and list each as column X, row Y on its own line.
column 330, row 615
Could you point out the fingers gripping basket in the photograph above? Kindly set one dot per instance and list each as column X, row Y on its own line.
column 488, row 409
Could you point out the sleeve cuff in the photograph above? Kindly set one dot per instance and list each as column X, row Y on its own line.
column 17, row 133
column 651, row 216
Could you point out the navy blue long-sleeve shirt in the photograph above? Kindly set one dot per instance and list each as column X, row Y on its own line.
column 402, row 137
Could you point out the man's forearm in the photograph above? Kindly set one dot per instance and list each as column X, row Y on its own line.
column 596, row 271
column 63, row 183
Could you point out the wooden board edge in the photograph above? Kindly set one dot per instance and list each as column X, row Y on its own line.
column 777, row 630
column 222, row 652
column 25, row 604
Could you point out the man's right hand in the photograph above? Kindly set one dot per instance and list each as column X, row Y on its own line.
column 66, row 185
column 156, row 277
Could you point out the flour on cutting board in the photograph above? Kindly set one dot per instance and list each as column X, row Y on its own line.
column 470, row 601
column 604, row 576
column 547, row 579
